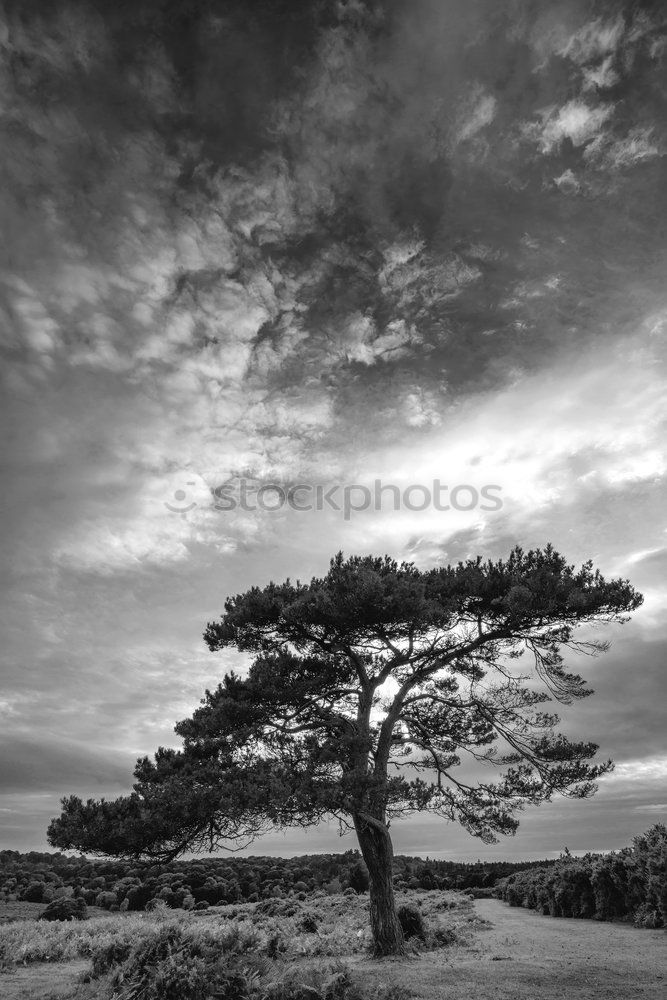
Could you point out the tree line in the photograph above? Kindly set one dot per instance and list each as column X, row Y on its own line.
column 41, row 877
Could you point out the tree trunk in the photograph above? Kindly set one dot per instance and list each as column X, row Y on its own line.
column 377, row 852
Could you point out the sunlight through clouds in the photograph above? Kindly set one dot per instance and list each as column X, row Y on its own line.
column 386, row 245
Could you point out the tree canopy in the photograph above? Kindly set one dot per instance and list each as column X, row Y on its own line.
column 377, row 691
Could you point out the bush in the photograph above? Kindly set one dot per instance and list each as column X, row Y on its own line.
column 411, row 921
column 33, row 893
column 174, row 977
column 106, row 900
column 65, row 909
column 609, row 897
column 173, row 964
column 629, row 884
column 309, row 923
column 110, row 954
column 648, row 916
column 322, row 983
column 441, row 937
column 138, row 896
column 276, row 945
column 358, row 877
column 62, row 891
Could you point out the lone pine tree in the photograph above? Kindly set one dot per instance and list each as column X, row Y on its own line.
column 376, row 692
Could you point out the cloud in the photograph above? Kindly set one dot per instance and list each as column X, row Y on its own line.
column 601, row 77
column 620, row 154
column 407, row 244
column 594, row 40
column 422, row 409
column 575, row 121
column 32, row 765
column 476, row 111
column 653, row 768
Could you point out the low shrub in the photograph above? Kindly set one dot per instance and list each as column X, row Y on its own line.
column 33, row 893
column 65, row 909
column 309, row 923
column 174, row 977
column 648, row 916
column 177, row 963
column 276, row 945
column 325, row 983
column 411, row 921
column 443, row 937
column 109, row 954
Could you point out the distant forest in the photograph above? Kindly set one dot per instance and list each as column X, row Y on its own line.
column 122, row 885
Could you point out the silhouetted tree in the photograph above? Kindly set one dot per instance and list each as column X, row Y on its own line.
column 371, row 689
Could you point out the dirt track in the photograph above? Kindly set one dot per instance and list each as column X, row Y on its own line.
column 525, row 956
column 42, row 981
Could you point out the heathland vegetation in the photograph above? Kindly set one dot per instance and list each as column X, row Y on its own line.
column 275, row 949
column 262, row 928
column 627, row 885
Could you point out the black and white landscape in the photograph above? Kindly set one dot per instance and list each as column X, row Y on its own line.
column 351, row 314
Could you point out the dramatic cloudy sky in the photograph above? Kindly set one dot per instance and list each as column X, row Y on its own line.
column 321, row 243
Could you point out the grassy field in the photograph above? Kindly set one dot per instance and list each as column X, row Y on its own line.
column 318, row 950
column 268, row 940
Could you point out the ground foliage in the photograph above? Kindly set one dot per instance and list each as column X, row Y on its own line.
column 282, row 931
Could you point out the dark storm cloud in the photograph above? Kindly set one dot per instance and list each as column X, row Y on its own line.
column 288, row 238
column 439, row 182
